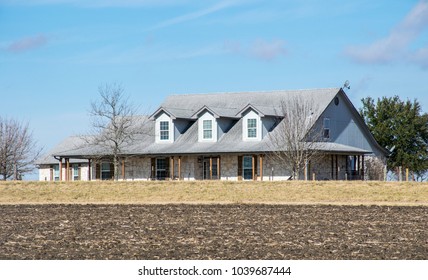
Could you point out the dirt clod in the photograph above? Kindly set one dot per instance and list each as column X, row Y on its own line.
column 212, row 232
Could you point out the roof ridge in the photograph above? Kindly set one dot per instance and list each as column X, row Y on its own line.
column 254, row 91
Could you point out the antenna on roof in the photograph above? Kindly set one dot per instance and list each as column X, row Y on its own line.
column 346, row 85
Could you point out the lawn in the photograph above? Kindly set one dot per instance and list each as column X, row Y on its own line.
column 218, row 192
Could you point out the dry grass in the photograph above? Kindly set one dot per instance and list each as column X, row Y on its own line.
column 145, row 192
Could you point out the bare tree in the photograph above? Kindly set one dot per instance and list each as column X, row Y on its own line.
column 18, row 149
column 297, row 138
column 114, row 122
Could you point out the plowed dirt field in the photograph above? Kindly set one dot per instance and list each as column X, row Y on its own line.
column 231, row 231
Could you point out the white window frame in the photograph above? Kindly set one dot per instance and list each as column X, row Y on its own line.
column 56, row 172
column 163, row 130
column 75, row 172
column 252, row 129
column 207, row 131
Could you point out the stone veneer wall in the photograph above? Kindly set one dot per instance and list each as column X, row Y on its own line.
column 139, row 168
column 229, row 167
column 136, row 168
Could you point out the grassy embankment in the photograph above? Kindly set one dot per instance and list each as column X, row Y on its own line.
column 144, row 192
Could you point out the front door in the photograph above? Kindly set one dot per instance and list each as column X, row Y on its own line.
column 210, row 168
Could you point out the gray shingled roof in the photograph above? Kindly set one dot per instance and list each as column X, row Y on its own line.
column 224, row 105
column 68, row 145
column 265, row 101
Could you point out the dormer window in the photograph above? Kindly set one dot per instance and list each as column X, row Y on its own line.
column 164, row 130
column 252, row 128
column 207, row 129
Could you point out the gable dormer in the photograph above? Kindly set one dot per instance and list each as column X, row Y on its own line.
column 251, row 125
column 164, row 126
column 207, row 126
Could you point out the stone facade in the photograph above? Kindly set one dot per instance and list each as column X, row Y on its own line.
column 229, row 167
column 328, row 167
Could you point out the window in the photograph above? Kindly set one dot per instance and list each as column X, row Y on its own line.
column 75, row 172
column 326, row 127
column 106, row 171
column 247, row 167
column 56, row 172
column 164, row 130
column 336, row 101
column 207, row 129
column 252, row 128
column 161, row 169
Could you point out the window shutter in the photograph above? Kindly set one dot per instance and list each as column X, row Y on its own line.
column 239, row 168
column 167, row 167
column 80, row 172
column 51, row 176
column 255, row 167
column 153, row 168
column 97, row 171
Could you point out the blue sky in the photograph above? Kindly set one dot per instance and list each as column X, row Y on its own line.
column 55, row 53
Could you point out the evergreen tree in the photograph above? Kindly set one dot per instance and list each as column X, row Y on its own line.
column 401, row 127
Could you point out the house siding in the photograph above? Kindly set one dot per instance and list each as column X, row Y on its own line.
column 345, row 128
column 45, row 172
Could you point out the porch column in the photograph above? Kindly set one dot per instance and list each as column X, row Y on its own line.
column 67, row 166
column 123, row 169
column 332, row 167
column 60, row 169
column 211, row 168
column 179, row 168
column 261, row 167
column 306, row 170
column 172, row 168
column 89, row 170
column 362, row 167
column 218, row 169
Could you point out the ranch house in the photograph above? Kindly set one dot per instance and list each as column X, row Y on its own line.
column 225, row 136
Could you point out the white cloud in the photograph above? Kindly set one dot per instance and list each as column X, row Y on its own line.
column 420, row 57
column 194, row 15
column 259, row 49
column 27, row 43
column 396, row 46
column 268, row 51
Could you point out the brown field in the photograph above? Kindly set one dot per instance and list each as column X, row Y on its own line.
column 213, row 220
column 220, row 192
column 227, row 231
